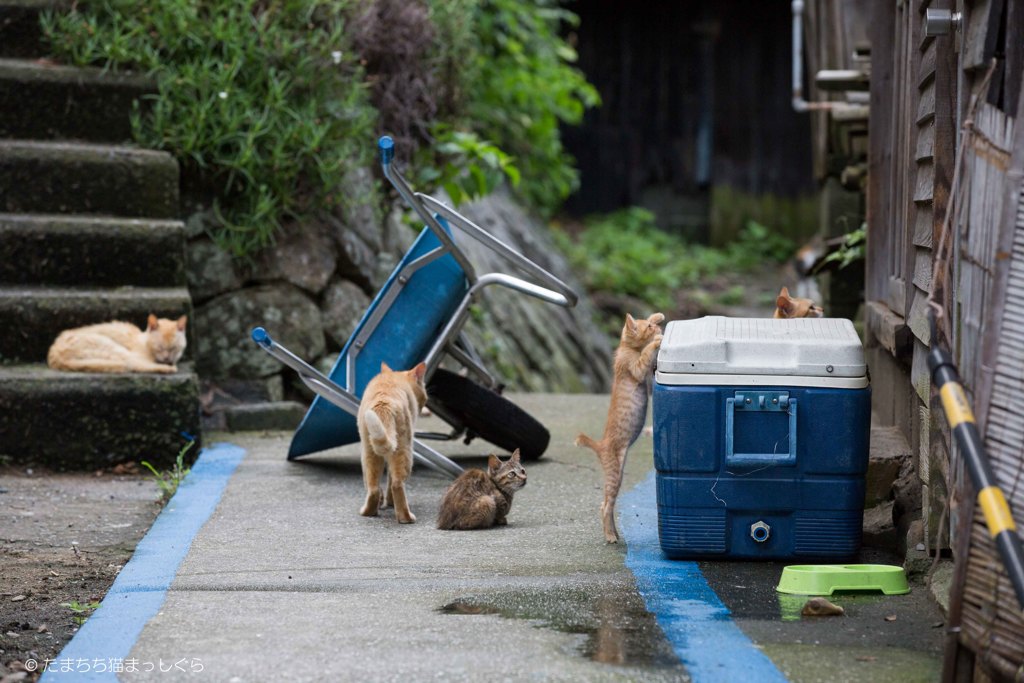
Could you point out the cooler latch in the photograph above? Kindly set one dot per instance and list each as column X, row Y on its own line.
column 759, row 401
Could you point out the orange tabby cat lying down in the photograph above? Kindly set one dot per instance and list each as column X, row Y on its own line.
column 120, row 347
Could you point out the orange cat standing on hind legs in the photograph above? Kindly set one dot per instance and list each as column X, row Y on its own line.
column 120, row 347
column 634, row 364
column 387, row 420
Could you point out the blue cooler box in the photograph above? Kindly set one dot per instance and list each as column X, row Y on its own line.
column 761, row 431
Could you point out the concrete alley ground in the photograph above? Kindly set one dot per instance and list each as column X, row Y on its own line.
column 286, row 582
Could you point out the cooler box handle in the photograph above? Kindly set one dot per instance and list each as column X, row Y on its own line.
column 759, row 401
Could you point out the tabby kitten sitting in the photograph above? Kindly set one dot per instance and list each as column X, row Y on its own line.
column 120, row 347
column 478, row 499
column 387, row 421
column 631, row 384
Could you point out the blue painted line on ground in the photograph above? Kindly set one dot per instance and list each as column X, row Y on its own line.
column 141, row 587
column 705, row 638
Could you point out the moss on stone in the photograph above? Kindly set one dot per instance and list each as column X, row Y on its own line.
column 731, row 209
column 81, row 421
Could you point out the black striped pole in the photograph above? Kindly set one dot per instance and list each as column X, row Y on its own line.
column 990, row 496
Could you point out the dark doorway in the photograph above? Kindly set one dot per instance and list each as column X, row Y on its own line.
column 696, row 98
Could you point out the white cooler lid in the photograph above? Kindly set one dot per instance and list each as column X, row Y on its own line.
column 804, row 347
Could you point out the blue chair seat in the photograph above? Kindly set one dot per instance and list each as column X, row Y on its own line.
column 402, row 338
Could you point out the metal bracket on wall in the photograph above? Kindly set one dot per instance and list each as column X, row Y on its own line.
column 941, row 22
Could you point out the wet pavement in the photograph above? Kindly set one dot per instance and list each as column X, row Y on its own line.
column 285, row 581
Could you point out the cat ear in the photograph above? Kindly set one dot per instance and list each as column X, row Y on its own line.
column 419, row 371
column 181, row 323
column 630, row 323
column 515, row 455
column 151, row 323
column 384, row 367
column 785, row 304
column 784, row 292
column 493, row 463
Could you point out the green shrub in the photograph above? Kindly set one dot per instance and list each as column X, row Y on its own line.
column 465, row 166
column 263, row 101
column 852, row 249
column 268, row 104
column 625, row 253
column 512, row 82
column 757, row 242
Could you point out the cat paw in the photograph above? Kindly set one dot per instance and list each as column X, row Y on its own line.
column 611, row 538
column 657, row 339
column 368, row 511
column 407, row 519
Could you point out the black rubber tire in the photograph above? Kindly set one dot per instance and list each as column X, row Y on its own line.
column 489, row 415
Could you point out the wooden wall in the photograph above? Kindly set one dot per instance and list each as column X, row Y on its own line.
column 912, row 131
column 694, row 94
column 940, row 138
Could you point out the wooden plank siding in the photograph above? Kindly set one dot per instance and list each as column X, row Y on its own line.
column 943, row 78
column 922, row 92
column 988, row 620
column 880, row 185
column 987, row 164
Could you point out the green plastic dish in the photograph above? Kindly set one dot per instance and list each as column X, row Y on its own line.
column 825, row 579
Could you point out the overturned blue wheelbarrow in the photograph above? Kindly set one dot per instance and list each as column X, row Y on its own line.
column 418, row 316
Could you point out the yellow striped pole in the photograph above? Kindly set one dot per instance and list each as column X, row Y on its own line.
column 990, row 497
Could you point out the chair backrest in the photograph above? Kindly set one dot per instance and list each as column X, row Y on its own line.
column 406, row 318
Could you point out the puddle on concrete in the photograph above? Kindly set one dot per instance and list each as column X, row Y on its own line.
column 460, row 607
column 791, row 606
column 616, row 626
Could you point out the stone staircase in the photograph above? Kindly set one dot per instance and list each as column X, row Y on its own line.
column 88, row 233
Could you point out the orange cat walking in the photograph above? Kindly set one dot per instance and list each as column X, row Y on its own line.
column 387, row 420
column 634, row 363
column 120, row 347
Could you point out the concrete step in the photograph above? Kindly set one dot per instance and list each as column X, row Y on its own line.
column 32, row 317
column 276, row 416
column 71, row 177
column 60, row 250
column 84, row 421
column 41, row 101
column 20, row 33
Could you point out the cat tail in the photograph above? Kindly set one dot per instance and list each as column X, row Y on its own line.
column 584, row 440
column 381, row 440
column 446, row 517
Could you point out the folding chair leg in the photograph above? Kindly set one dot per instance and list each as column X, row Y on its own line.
column 468, row 358
column 328, row 390
column 425, row 455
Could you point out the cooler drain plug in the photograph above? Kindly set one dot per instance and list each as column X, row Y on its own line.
column 759, row 531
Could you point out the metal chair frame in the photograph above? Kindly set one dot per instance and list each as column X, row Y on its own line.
column 450, row 341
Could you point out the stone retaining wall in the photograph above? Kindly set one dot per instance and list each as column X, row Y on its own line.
column 311, row 288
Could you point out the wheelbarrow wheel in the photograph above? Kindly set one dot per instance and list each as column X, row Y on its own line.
column 489, row 415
